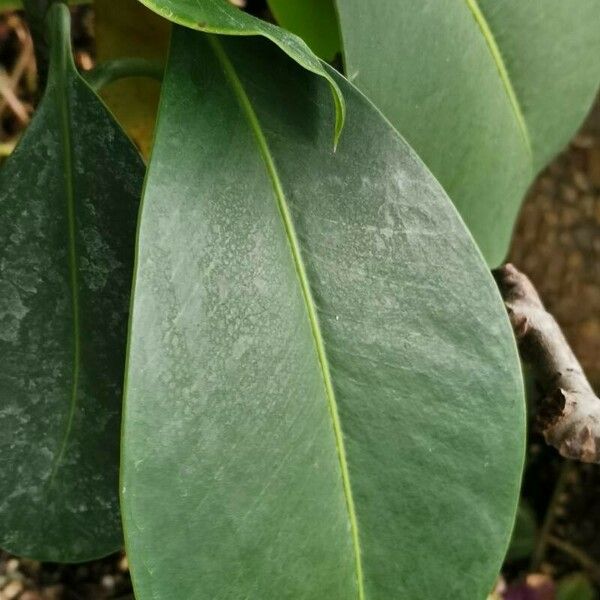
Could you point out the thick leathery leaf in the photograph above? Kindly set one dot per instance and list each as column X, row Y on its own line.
column 220, row 16
column 68, row 204
column 485, row 91
column 323, row 396
column 315, row 21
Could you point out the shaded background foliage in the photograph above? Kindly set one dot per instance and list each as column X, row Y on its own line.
column 557, row 243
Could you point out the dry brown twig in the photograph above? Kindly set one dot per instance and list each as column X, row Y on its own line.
column 11, row 99
column 9, row 82
column 569, row 412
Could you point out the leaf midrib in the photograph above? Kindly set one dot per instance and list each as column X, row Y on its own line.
column 502, row 69
column 59, row 87
column 253, row 121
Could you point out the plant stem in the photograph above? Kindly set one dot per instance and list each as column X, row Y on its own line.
column 550, row 518
column 588, row 563
column 113, row 70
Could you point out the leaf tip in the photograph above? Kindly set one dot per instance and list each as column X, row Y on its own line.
column 340, row 112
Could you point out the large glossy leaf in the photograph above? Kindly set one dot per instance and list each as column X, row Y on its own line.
column 220, row 16
column 68, row 200
column 323, row 396
column 132, row 30
column 315, row 21
column 486, row 91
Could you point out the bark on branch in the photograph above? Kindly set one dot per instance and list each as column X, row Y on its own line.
column 569, row 413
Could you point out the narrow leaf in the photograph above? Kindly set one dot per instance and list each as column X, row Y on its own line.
column 221, row 17
column 68, row 201
column 315, row 21
column 323, row 395
column 485, row 113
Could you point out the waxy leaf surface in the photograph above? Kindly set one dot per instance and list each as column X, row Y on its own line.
column 68, row 203
column 220, row 16
column 486, row 91
column 323, row 394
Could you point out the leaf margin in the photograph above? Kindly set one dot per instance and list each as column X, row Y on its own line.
column 301, row 53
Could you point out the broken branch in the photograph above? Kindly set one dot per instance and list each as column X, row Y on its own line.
column 569, row 412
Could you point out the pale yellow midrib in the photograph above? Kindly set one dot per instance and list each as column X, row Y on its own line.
column 492, row 44
column 255, row 126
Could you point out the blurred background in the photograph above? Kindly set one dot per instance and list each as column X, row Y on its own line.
column 555, row 554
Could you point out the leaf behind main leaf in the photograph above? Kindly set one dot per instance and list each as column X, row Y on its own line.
column 221, row 17
column 485, row 91
column 323, row 394
column 68, row 205
column 315, row 21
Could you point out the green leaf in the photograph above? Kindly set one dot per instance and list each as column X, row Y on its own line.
column 323, row 395
column 575, row 587
column 485, row 91
column 221, row 17
column 524, row 534
column 315, row 21
column 68, row 203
